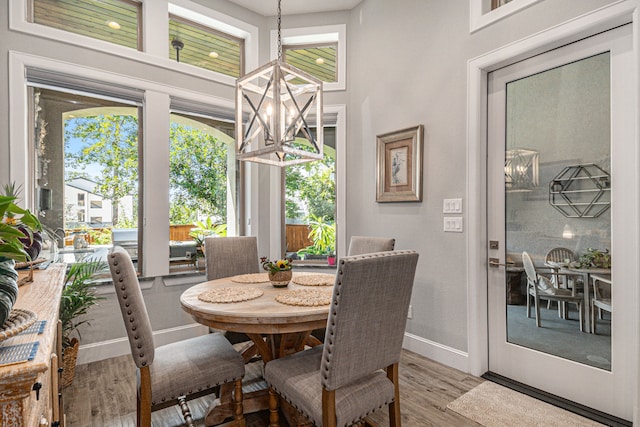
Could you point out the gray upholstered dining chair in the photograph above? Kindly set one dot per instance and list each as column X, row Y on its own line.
column 357, row 246
column 343, row 381
column 365, row 245
column 173, row 373
column 231, row 256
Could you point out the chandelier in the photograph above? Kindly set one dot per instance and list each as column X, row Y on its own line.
column 275, row 105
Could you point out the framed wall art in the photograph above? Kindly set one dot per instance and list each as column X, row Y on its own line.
column 399, row 165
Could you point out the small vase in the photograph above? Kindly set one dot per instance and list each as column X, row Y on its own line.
column 280, row 279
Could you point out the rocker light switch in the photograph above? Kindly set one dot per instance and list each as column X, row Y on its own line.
column 452, row 206
column 453, row 224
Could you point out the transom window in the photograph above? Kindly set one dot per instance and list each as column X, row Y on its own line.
column 114, row 21
column 319, row 60
column 201, row 46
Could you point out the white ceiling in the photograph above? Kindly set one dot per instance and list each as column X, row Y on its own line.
column 293, row 7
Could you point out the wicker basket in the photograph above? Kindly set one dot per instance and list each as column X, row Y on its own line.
column 70, row 355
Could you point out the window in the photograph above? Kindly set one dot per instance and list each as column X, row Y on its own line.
column 202, row 186
column 310, row 206
column 115, row 21
column 318, row 60
column 486, row 12
column 87, row 149
column 201, row 46
column 320, row 51
column 497, row 3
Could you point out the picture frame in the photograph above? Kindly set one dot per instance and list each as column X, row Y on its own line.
column 399, row 165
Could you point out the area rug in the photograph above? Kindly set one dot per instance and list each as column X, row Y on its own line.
column 493, row 405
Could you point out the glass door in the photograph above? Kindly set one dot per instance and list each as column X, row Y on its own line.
column 560, row 151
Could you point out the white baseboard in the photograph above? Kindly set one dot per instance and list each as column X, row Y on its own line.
column 117, row 347
column 435, row 351
column 120, row 346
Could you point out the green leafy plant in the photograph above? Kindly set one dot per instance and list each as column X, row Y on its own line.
column 16, row 221
column 323, row 235
column 205, row 229
column 78, row 295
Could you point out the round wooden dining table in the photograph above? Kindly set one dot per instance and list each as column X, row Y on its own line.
column 275, row 329
column 259, row 317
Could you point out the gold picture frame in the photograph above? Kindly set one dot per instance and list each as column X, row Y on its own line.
column 399, row 165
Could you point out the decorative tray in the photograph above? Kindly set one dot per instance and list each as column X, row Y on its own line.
column 18, row 321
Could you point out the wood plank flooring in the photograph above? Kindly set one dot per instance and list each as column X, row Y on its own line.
column 103, row 394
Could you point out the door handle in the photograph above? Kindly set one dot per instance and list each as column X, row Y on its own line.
column 495, row 262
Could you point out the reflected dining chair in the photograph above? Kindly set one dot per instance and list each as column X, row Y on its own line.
column 365, row 245
column 174, row 373
column 344, row 380
column 601, row 298
column 554, row 258
column 541, row 288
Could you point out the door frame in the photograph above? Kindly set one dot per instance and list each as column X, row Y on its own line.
column 606, row 18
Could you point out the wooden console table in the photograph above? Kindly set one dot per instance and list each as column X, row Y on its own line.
column 29, row 391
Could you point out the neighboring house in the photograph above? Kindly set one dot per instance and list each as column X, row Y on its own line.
column 83, row 206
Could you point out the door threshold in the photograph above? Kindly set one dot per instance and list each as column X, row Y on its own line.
column 558, row 401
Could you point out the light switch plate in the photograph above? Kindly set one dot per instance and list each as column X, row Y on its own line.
column 453, row 224
column 452, row 206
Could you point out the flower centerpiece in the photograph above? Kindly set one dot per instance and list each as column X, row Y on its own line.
column 279, row 271
column 595, row 258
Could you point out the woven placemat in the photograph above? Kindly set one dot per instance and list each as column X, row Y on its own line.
column 18, row 321
column 18, row 353
column 314, row 279
column 226, row 295
column 305, row 297
column 251, row 278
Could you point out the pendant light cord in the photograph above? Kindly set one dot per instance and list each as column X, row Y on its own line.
column 279, row 31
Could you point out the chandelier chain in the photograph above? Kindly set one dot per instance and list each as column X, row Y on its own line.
column 279, row 31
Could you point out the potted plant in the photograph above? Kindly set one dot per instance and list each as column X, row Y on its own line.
column 323, row 236
column 16, row 225
column 78, row 295
column 204, row 229
column 279, row 271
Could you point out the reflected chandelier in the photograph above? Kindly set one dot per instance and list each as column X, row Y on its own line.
column 274, row 105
